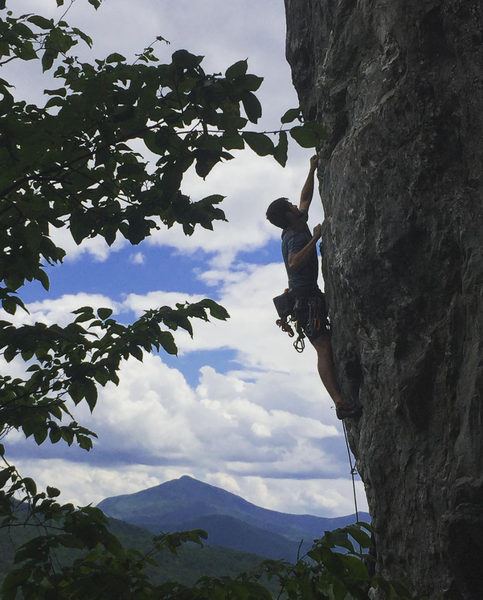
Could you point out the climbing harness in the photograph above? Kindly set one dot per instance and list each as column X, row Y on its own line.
column 288, row 307
column 353, row 471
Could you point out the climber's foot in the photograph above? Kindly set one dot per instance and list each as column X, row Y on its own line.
column 349, row 410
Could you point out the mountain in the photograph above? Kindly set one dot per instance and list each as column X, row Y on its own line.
column 186, row 503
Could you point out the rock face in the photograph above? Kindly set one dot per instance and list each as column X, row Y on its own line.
column 399, row 86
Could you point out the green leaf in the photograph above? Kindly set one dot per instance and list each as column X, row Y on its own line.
column 9, row 305
column 360, row 536
column 14, row 579
column 84, row 442
column 58, row 92
column 252, row 106
column 216, row 310
column 76, row 392
column 309, row 135
column 280, row 152
column 67, row 435
column 90, row 393
column 237, row 70
column 40, row 435
column 183, row 58
column 30, row 485
column 54, row 102
column 80, row 226
column 115, row 57
column 48, row 59
column 104, row 313
column 136, row 352
column 41, row 22
column 166, row 340
column 83, row 36
column 291, row 115
column 250, row 82
column 26, row 51
column 55, row 433
column 203, row 167
column 259, row 143
column 5, row 476
column 44, row 279
column 83, row 317
column 232, row 142
column 356, row 568
column 52, row 492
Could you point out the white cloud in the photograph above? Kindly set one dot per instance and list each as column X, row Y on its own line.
column 155, row 417
column 96, row 248
column 84, row 484
column 59, row 310
column 137, row 259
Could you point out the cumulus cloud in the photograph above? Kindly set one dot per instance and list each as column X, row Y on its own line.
column 154, row 421
column 96, row 248
column 84, row 484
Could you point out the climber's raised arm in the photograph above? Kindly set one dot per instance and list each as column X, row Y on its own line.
column 308, row 189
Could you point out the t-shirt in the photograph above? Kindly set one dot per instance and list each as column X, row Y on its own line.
column 293, row 242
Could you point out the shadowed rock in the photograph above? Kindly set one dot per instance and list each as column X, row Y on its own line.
column 399, row 86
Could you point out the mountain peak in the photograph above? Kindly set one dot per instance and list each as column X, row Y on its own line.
column 187, row 503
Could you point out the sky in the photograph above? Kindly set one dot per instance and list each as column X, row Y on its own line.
column 238, row 408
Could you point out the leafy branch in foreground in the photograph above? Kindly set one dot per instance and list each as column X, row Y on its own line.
column 332, row 570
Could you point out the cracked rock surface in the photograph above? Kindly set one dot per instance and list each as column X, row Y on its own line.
column 399, row 87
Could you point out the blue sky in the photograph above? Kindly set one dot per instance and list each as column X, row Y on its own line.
column 238, row 407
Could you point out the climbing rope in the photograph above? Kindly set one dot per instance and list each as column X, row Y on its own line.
column 353, row 471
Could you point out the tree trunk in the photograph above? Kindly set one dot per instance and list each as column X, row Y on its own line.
column 399, row 86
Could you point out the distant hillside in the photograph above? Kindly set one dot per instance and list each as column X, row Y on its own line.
column 192, row 562
column 232, row 533
column 172, row 505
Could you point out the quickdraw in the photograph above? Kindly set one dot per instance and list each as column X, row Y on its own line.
column 299, row 343
column 313, row 323
column 286, row 306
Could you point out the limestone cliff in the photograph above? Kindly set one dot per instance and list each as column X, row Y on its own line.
column 399, row 85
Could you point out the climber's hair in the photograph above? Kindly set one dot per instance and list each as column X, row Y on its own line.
column 276, row 213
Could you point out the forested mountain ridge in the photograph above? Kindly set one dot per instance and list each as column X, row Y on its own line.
column 186, row 503
column 191, row 563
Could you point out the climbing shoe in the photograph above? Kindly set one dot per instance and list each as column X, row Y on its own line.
column 349, row 410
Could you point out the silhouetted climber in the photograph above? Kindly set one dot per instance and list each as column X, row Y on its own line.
column 299, row 249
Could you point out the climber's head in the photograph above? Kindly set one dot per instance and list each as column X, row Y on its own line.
column 281, row 213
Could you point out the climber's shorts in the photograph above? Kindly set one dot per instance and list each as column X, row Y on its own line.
column 310, row 313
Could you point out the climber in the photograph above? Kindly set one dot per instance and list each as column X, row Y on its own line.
column 299, row 250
